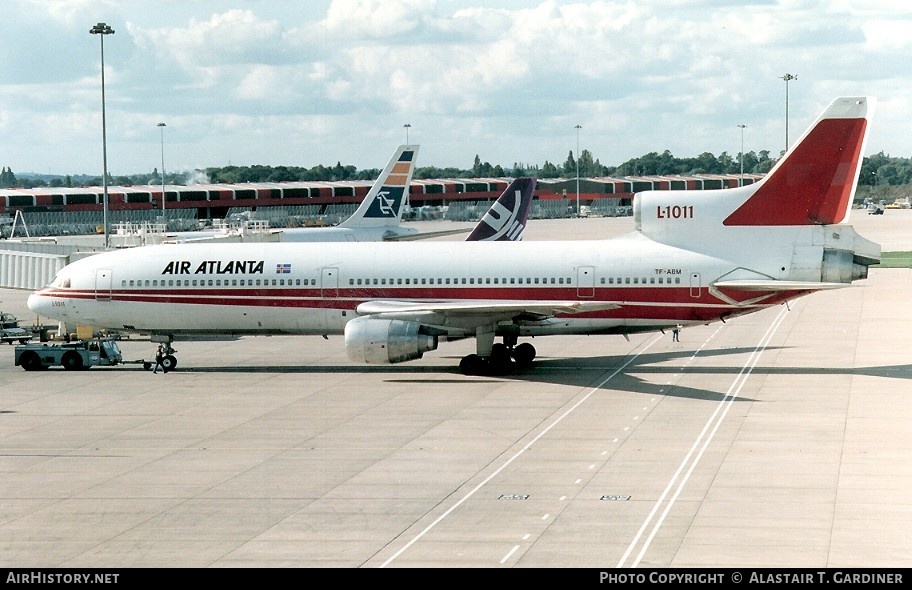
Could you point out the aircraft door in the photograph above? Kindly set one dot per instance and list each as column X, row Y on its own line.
column 329, row 282
column 585, row 281
column 103, row 284
column 695, row 286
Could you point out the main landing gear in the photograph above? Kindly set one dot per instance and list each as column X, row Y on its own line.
column 504, row 359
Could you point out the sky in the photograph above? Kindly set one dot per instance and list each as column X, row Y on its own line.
column 302, row 83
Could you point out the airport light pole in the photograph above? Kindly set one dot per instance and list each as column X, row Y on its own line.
column 742, row 126
column 407, row 125
column 787, row 78
column 102, row 29
column 578, row 127
column 161, row 128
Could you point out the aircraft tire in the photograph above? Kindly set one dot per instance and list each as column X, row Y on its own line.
column 500, row 363
column 169, row 362
column 524, row 354
column 472, row 365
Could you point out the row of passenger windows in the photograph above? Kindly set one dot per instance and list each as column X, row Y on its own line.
column 464, row 281
column 355, row 282
column 219, row 283
column 643, row 281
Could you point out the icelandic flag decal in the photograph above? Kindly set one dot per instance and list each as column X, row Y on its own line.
column 283, row 269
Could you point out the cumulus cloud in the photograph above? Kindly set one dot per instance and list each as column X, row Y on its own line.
column 273, row 81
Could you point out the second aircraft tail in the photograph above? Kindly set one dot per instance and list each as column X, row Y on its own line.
column 386, row 199
column 506, row 219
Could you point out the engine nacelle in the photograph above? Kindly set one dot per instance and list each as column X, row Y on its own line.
column 377, row 341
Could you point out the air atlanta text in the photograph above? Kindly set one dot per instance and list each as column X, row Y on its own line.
column 215, row 267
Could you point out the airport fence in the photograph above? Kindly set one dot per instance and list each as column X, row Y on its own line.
column 80, row 223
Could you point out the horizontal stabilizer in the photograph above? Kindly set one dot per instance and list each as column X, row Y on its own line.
column 424, row 235
column 778, row 285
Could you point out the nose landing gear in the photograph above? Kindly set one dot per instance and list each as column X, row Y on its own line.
column 168, row 361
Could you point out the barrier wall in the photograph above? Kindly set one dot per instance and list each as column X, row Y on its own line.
column 28, row 270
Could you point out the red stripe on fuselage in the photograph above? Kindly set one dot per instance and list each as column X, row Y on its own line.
column 672, row 303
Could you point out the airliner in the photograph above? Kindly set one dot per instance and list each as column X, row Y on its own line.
column 507, row 217
column 694, row 257
column 379, row 216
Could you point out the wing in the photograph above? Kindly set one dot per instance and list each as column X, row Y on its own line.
column 465, row 313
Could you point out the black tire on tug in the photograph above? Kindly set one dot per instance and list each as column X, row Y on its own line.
column 71, row 361
column 30, row 361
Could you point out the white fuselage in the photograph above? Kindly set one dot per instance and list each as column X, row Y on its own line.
column 275, row 288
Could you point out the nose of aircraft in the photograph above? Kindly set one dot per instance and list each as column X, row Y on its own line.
column 39, row 304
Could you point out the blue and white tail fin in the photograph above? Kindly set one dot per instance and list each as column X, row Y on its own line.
column 507, row 217
column 384, row 203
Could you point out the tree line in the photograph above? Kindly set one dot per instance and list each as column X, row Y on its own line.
column 878, row 170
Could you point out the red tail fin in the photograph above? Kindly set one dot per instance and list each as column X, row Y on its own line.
column 815, row 181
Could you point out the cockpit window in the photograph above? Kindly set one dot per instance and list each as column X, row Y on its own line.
column 61, row 281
